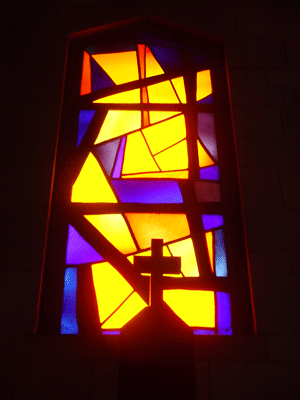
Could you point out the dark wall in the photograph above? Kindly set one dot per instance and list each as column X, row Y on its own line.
column 262, row 44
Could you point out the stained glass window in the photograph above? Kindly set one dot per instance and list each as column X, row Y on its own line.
column 144, row 154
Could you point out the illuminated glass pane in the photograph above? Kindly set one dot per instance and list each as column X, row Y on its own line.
column 78, row 250
column 157, row 226
column 194, row 307
column 157, row 116
column 68, row 324
column 185, row 250
column 91, row 185
column 137, row 155
column 114, row 228
column 203, row 157
column 106, row 154
column 118, row 123
column 206, row 100
column 119, row 163
column 204, row 332
column 165, row 134
column 220, row 253
column 142, row 60
column 203, row 84
column 111, row 332
column 209, row 242
column 130, row 96
column 86, row 75
column 210, row 173
column 207, row 191
column 121, row 67
column 167, row 57
column 85, row 118
column 110, row 287
column 212, row 221
column 180, row 88
column 132, row 306
column 206, row 132
column 148, row 191
column 100, row 80
column 159, row 175
column 152, row 66
column 175, row 157
column 162, row 93
column 224, row 314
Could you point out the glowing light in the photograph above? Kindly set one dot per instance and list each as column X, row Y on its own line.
column 176, row 157
column 162, row 93
column 209, row 242
column 86, row 86
column 68, row 323
column 185, row 250
column 204, row 87
column 180, row 88
column 130, row 96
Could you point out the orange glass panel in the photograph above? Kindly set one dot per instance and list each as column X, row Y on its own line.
column 157, row 226
column 137, row 156
column 162, row 92
column 110, row 287
column 152, row 66
column 132, row 306
column 114, row 228
column 180, row 89
column 146, row 121
column 194, row 307
column 130, row 96
column 86, row 85
column 157, row 116
column 203, row 157
column 203, row 84
column 144, row 95
column 209, row 241
column 185, row 250
column 175, row 157
column 141, row 56
column 164, row 134
column 118, row 123
column 160, row 175
column 121, row 67
column 91, row 185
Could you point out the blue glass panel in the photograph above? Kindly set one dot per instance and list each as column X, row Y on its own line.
column 85, row 117
column 100, row 79
column 111, row 332
column 212, row 221
column 167, row 57
column 223, row 314
column 118, row 167
column 78, row 250
column 220, row 254
column 206, row 100
column 206, row 132
column 106, row 154
column 203, row 332
column 210, row 173
column 148, row 191
column 68, row 324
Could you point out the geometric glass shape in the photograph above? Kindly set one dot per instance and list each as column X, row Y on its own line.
column 79, row 251
column 129, row 96
column 100, row 80
column 206, row 132
column 119, row 161
column 220, row 253
column 114, row 228
column 91, row 185
column 174, row 158
column 85, row 117
column 207, row 191
column 157, row 116
column 206, row 100
column 159, row 175
column 203, row 157
column 210, row 173
column 162, row 93
column 167, row 57
column 185, row 250
column 147, row 191
column 152, row 66
column 106, row 154
column 203, row 84
column 180, row 88
column 223, row 314
column 68, row 323
column 86, row 75
column 209, row 241
column 212, row 221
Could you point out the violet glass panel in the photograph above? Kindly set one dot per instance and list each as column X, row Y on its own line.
column 206, row 132
column 223, row 314
column 167, row 57
column 210, row 173
column 118, row 167
column 100, row 79
column 212, row 221
column 220, row 253
column 106, row 154
column 203, row 332
column 68, row 324
column 207, row 100
column 85, row 118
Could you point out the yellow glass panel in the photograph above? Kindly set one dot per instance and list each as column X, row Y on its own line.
column 162, row 93
column 110, row 287
column 160, row 175
column 121, row 67
column 209, row 241
column 185, row 250
column 115, row 230
column 203, row 84
column 164, row 134
column 152, row 66
column 91, row 185
column 194, row 307
column 157, row 226
column 118, row 123
column 137, row 156
column 130, row 96
column 203, row 157
column 132, row 306
column 180, row 88
column 175, row 157
column 157, row 116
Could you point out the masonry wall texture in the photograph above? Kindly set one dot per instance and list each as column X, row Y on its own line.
column 262, row 44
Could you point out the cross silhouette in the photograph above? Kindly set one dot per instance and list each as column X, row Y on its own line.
column 157, row 265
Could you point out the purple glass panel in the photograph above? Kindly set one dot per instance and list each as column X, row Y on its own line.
column 210, row 173
column 68, row 323
column 223, row 314
column 111, row 332
column 85, row 118
column 167, row 57
column 203, row 332
column 212, row 221
column 106, row 154
column 220, row 253
column 118, row 167
column 206, row 132
column 207, row 100
column 100, row 79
